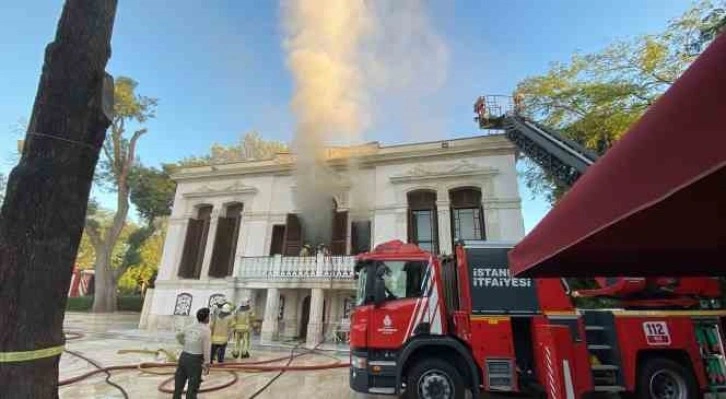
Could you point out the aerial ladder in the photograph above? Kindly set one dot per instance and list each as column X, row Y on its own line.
column 566, row 161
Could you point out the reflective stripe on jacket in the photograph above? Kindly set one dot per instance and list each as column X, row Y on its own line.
column 220, row 329
column 243, row 319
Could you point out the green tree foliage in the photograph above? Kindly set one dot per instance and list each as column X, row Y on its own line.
column 152, row 191
column 142, row 272
column 594, row 98
column 251, row 147
column 86, row 256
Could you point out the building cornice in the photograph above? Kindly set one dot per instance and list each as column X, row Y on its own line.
column 284, row 165
column 425, row 172
column 235, row 189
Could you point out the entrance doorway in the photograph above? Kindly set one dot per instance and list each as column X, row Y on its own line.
column 305, row 317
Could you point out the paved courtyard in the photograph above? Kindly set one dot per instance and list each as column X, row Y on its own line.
column 103, row 336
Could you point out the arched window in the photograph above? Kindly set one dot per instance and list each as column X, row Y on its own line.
column 195, row 243
column 225, row 241
column 423, row 226
column 467, row 219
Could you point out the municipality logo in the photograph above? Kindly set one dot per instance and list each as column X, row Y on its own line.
column 388, row 327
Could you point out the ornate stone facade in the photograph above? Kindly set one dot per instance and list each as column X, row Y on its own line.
column 311, row 297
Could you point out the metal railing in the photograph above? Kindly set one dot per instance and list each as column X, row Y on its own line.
column 296, row 268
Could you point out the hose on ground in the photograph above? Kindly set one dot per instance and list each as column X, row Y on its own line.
column 231, row 368
column 100, row 368
column 273, row 379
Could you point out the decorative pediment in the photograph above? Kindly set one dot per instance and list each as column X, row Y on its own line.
column 236, row 188
column 462, row 168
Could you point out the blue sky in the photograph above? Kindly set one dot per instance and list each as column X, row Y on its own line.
column 218, row 68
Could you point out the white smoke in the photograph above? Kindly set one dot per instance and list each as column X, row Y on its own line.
column 341, row 53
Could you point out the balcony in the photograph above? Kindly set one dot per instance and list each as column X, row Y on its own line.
column 296, row 268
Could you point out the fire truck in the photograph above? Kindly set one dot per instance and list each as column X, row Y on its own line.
column 427, row 326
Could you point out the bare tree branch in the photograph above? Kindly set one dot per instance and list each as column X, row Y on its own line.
column 117, row 130
column 129, row 161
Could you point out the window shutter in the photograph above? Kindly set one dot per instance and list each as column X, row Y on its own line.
column 202, row 244
column 340, row 230
column 293, row 235
column 222, row 244
column 191, row 248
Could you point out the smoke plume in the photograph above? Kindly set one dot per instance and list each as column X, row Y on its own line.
column 340, row 54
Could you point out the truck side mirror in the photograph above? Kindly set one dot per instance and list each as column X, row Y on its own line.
column 379, row 292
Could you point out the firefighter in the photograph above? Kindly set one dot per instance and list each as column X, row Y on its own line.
column 518, row 102
column 242, row 325
column 222, row 326
column 322, row 250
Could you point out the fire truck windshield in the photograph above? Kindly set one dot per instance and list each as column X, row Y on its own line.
column 362, row 277
column 402, row 279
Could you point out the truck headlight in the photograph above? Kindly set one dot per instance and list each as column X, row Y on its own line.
column 359, row 362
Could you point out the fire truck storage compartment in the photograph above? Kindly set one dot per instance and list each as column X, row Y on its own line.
column 451, row 287
column 493, row 289
column 709, row 337
column 523, row 348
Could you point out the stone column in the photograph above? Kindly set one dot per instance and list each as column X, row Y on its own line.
column 241, row 249
column 209, row 248
column 269, row 324
column 491, row 221
column 401, row 223
column 443, row 210
column 291, row 313
column 315, row 323
column 349, row 233
column 173, row 248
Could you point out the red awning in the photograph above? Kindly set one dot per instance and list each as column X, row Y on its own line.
column 655, row 203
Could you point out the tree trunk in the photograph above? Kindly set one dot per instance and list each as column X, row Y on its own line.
column 42, row 218
column 104, row 296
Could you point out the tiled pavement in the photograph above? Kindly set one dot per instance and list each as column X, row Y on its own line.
column 105, row 335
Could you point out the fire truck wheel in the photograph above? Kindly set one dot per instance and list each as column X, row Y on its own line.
column 434, row 379
column 662, row 378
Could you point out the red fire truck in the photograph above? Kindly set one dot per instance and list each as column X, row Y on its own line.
column 435, row 327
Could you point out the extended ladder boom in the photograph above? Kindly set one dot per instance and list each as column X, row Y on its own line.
column 566, row 160
column 563, row 159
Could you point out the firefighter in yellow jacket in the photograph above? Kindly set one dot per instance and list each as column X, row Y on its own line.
column 243, row 319
column 222, row 325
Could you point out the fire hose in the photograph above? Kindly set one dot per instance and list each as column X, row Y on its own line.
column 231, row 368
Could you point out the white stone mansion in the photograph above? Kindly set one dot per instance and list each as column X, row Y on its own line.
column 234, row 231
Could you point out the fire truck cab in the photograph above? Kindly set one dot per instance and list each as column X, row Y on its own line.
column 435, row 327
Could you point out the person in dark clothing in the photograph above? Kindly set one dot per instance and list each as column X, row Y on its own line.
column 195, row 357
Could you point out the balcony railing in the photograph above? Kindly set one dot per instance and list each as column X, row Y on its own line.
column 296, row 268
